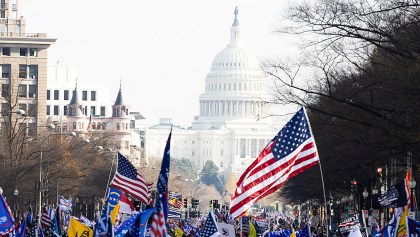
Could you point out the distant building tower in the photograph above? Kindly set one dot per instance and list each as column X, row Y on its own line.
column 23, row 69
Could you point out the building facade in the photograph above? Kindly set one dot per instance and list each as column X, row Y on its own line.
column 232, row 127
column 89, row 109
column 23, row 65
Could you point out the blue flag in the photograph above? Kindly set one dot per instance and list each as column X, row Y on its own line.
column 101, row 227
column 110, row 231
column 162, row 183
column 7, row 223
column 22, row 230
column 413, row 227
column 135, row 226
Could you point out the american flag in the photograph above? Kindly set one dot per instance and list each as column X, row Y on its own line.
column 89, row 126
column 289, row 153
column 158, row 228
column 45, row 219
column 210, row 227
column 127, row 179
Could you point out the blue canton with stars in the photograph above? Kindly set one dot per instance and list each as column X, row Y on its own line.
column 125, row 168
column 209, row 227
column 291, row 136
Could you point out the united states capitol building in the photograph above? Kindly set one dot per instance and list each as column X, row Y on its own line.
column 233, row 124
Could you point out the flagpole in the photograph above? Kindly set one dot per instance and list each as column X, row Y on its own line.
column 320, row 169
column 109, row 176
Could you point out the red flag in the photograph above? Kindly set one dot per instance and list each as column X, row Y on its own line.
column 126, row 206
column 289, row 153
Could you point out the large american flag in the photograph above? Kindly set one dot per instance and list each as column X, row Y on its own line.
column 127, row 179
column 289, row 153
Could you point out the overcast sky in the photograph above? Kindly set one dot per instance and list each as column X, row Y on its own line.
column 161, row 50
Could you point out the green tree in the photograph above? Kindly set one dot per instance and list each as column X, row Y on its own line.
column 210, row 175
column 185, row 167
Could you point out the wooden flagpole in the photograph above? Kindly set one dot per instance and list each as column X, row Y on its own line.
column 322, row 176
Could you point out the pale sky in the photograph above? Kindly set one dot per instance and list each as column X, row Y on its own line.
column 162, row 50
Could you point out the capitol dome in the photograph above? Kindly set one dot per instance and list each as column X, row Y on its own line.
column 234, row 87
column 235, row 57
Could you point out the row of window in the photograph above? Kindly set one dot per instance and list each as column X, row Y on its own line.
column 25, row 71
column 228, row 86
column 29, row 128
column 30, row 109
column 66, row 95
column 55, row 110
column 23, row 52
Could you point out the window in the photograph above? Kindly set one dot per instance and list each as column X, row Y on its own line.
column 66, row 94
column 102, row 110
column 48, row 95
column 22, row 91
column 118, row 126
column 55, row 109
column 127, row 144
column 48, row 110
column 93, row 95
column 92, row 110
column 84, row 95
column 5, row 90
column 56, row 94
column 32, row 110
column 32, row 129
column 242, row 147
column 5, row 109
column 23, row 106
column 33, row 71
column 22, row 71
column 6, row 51
column 221, row 164
column 33, row 52
column 221, row 152
column 23, row 52
column 192, row 153
column 65, row 110
column 32, row 91
column 5, row 71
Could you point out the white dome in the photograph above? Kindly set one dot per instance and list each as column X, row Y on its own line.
column 235, row 57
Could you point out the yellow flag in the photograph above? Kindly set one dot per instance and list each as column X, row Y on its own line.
column 179, row 232
column 252, row 230
column 402, row 224
column 76, row 228
column 293, row 233
column 113, row 214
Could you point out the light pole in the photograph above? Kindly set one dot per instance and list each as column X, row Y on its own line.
column 39, row 194
column 365, row 195
column 412, row 186
column 16, row 193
